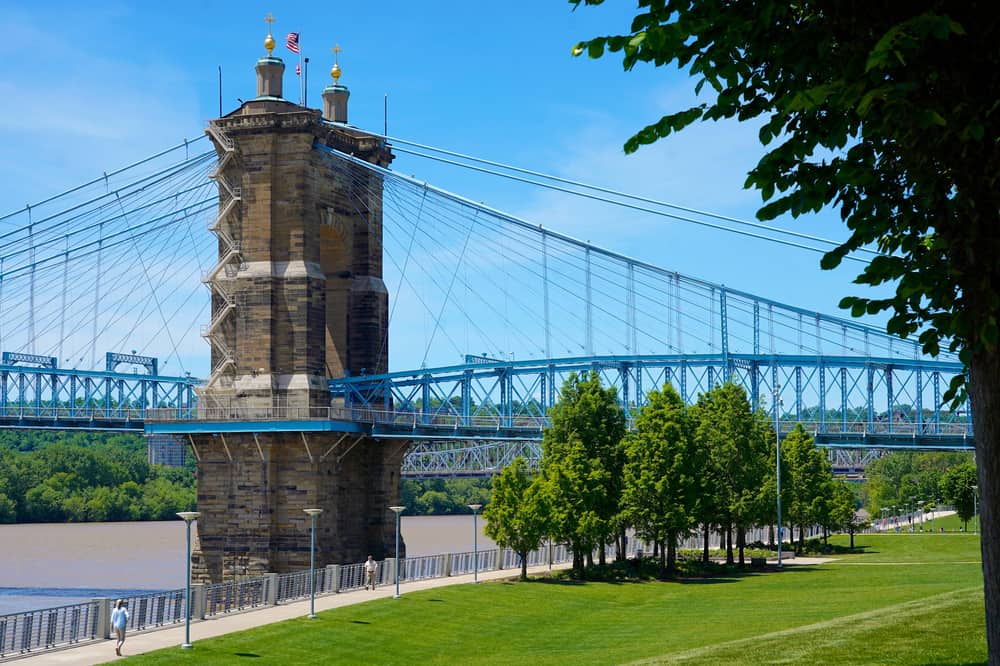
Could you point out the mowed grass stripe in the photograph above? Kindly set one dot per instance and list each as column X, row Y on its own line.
column 953, row 622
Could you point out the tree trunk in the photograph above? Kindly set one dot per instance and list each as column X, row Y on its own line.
column 590, row 557
column 984, row 394
column 741, row 542
column 826, row 534
column 851, row 530
column 663, row 559
column 524, row 564
column 729, row 543
column 671, row 554
column 704, row 551
column 802, row 539
column 577, row 559
column 602, row 556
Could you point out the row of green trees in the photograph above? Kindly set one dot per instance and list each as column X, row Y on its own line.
column 445, row 496
column 909, row 479
column 680, row 469
column 58, row 477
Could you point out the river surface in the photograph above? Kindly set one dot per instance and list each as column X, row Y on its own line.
column 44, row 565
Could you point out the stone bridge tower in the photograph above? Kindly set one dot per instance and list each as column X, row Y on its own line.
column 297, row 298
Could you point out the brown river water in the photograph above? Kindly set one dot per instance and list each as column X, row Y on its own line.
column 45, row 565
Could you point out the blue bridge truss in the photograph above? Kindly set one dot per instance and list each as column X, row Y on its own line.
column 43, row 396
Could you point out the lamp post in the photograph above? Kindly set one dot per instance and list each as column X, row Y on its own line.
column 312, row 562
column 397, row 510
column 777, row 461
column 475, row 541
column 188, row 517
column 975, row 509
column 920, row 512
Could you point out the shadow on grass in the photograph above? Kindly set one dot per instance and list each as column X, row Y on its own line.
column 246, row 654
column 359, row 622
column 634, row 573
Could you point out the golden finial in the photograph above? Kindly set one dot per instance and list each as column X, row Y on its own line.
column 269, row 40
column 335, row 70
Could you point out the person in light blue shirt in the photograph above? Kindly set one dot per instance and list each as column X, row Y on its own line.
column 119, row 620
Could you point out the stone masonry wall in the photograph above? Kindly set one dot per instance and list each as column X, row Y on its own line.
column 252, row 502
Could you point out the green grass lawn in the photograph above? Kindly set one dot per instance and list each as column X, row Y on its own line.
column 907, row 599
column 949, row 523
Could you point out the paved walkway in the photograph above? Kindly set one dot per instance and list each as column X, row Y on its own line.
column 100, row 652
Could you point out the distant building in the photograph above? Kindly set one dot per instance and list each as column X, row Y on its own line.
column 167, row 450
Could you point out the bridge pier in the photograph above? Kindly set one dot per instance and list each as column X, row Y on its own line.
column 252, row 492
column 297, row 299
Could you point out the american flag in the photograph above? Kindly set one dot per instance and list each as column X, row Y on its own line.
column 292, row 42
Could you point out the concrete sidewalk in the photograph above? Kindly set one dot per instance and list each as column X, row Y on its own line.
column 103, row 651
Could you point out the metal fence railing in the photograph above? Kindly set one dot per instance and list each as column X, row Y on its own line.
column 28, row 631
column 21, row 633
column 236, row 595
column 146, row 611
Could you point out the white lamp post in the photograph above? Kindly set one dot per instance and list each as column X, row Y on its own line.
column 397, row 510
column 188, row 517
column 975, row 509
column 475, row 541
column 312, row 562
column 920, row 511
column 777, row 456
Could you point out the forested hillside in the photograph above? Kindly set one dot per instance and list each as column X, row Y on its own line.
column 83, row 477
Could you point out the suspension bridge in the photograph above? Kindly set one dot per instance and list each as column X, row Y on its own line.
column 104, row 315
column 284, row 240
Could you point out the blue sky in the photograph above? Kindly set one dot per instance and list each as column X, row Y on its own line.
column 92, row 86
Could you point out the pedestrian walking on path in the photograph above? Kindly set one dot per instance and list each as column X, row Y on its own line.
column 119, row 620
column 371, row 566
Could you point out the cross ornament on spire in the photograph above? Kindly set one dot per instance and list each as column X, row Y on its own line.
column 335, row 71
column 269, row 40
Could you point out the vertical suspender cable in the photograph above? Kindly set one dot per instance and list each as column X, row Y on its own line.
column 62, row 309
column 31, row 289
column 97, row 296
column 677, row 313
column 670, row 311
column 711, row 319
column 545, row 294
column 631, row 308
column 1, row 301
column 589, row 333
column 770, row 324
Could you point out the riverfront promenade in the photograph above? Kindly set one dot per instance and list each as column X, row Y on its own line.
column 100, row 652
column 103, row 651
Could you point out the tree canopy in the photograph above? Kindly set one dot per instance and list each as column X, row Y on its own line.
column 886, row 112
column 581, row 463
column 87, row 477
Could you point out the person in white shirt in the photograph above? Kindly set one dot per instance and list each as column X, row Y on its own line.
column 371, row 566
column 119, row 619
